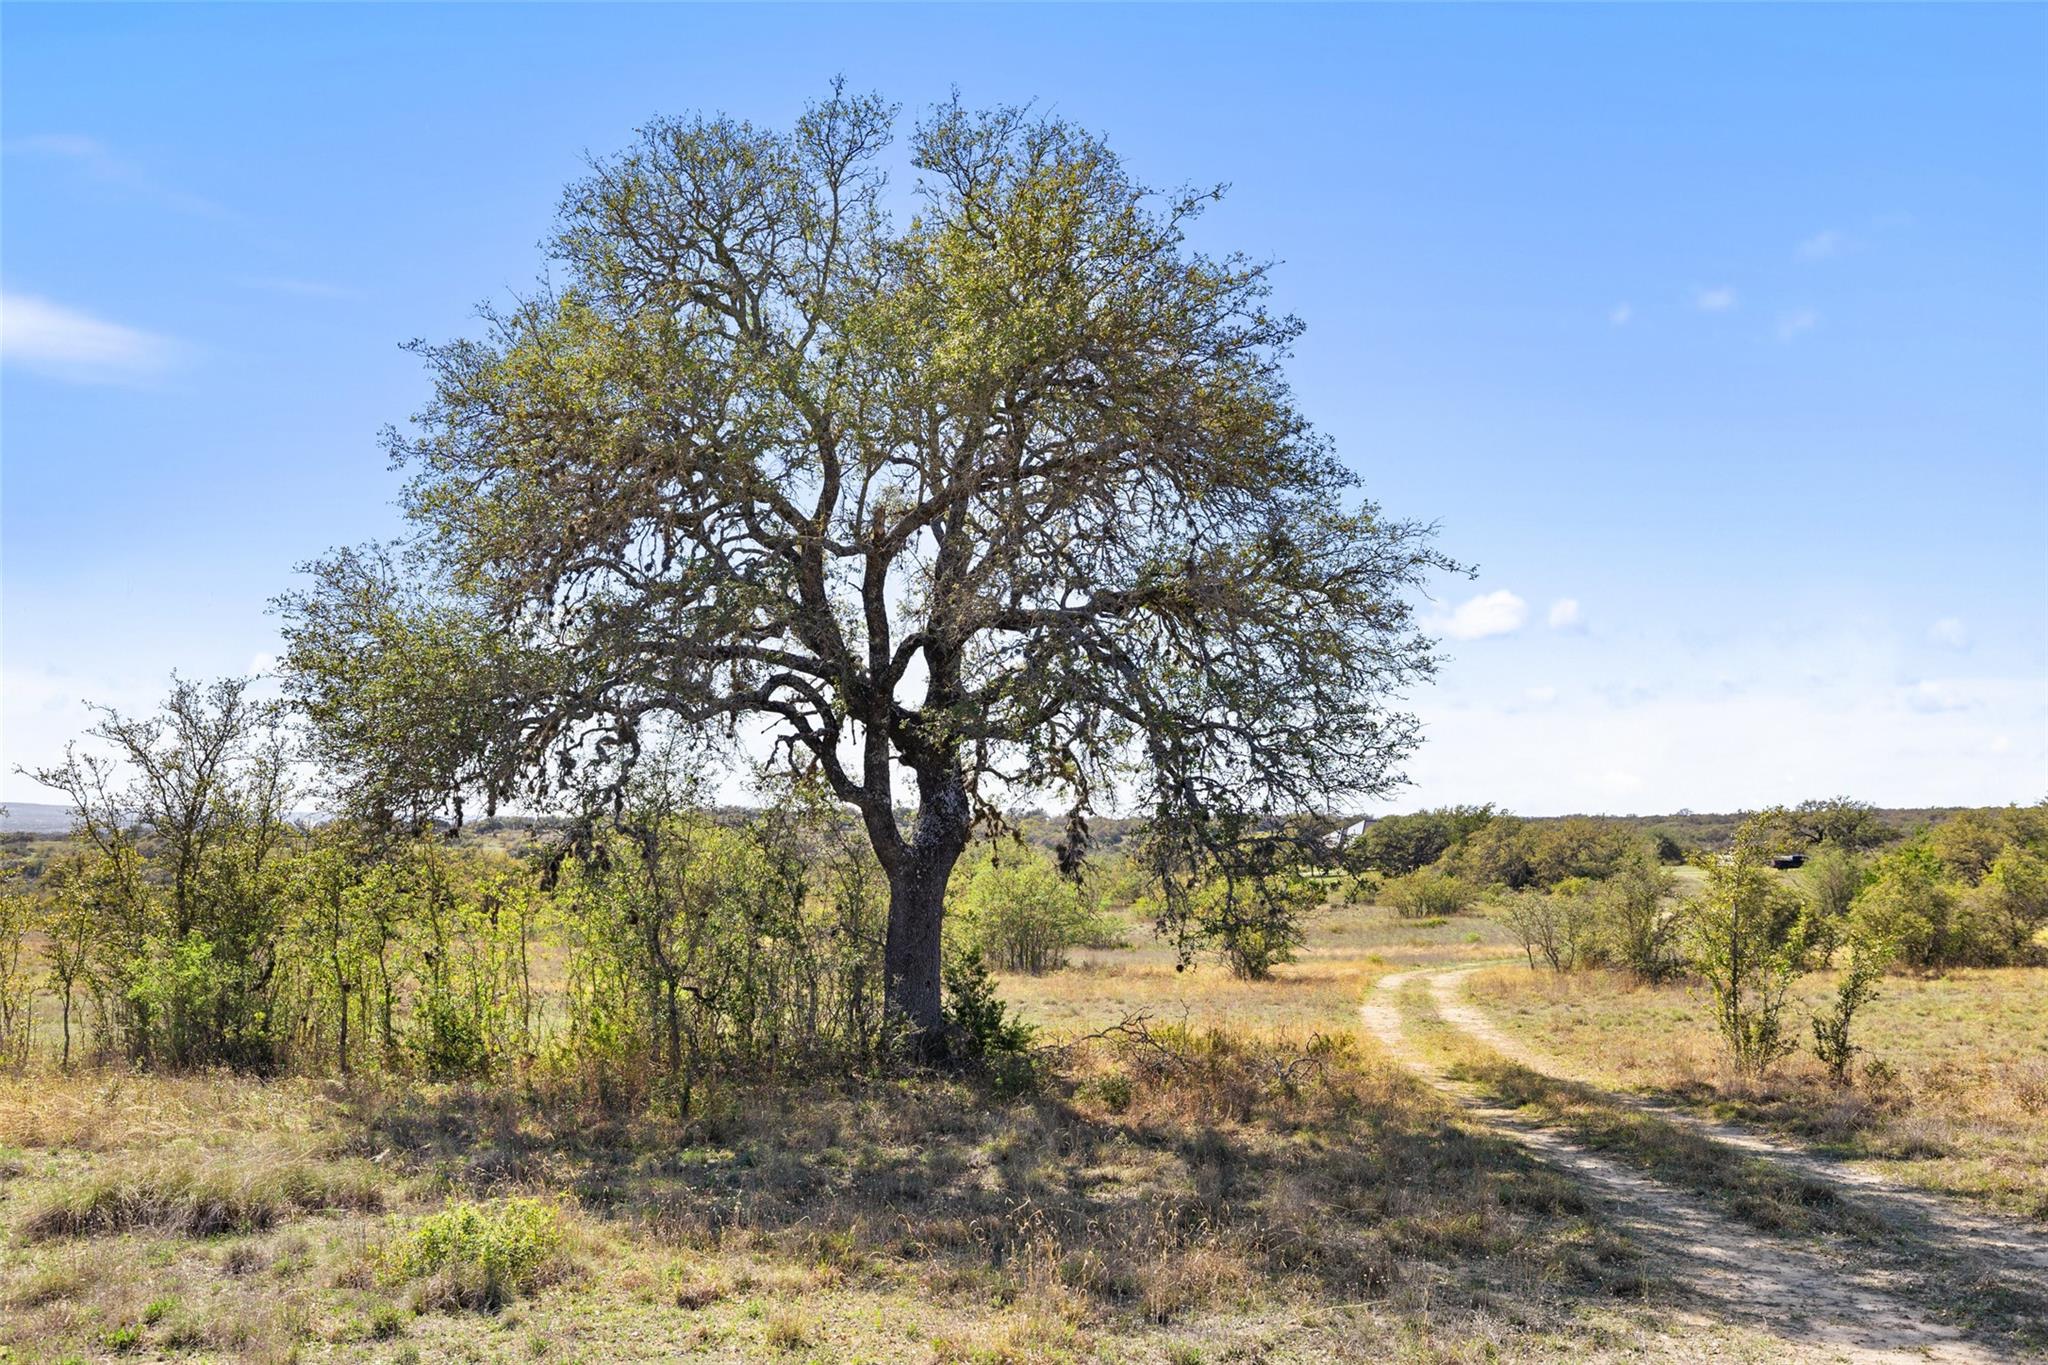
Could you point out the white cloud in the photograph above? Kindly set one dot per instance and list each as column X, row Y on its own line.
column 1939, row 694
column 1540, row 696
column 1781, row 741
column 1621, row 314
column 1798, row 320
column 1823, row 244
column 1718, row 299
column 64, row 343
column 1490, row 613
column 1950, row 631
column 1564, row 613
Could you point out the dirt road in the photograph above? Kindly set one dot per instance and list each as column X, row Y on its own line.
column 1821, row 1300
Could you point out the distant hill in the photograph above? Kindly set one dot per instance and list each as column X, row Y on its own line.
column 34, row 817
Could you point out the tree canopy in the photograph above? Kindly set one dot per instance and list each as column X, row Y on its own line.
column 1011, row 500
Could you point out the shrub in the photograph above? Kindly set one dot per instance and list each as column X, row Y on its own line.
column 1429, row 893
column 387, row 1321
column 447, row 1039
column 1640, row 931
column 1022, row 914
column 1833, row 878
column 1868, row 960
column 985, row 1033
column 2009, row 908
column 1737, row 940
column 1254, row 922
column 1561, row 926
column 1911, row 904
column 479, row 1256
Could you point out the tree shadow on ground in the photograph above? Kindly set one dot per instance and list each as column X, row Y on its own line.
column 1144, row 1185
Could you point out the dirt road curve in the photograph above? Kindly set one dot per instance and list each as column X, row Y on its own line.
column 2005, row 1243
column 1822, row 1305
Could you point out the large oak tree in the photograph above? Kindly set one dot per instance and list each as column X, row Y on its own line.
column 1011, row 500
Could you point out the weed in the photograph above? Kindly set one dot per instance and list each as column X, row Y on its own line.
column 387, row 1320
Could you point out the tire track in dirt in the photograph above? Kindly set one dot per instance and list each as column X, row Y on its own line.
column 2004, row 1244
column 1819, row 1304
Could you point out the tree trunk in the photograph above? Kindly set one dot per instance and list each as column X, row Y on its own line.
column 917, row 909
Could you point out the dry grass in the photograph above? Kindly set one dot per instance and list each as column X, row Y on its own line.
column 113, row 1110
column 1953, row 1093
column 199, row 1193
column 1242, row 1178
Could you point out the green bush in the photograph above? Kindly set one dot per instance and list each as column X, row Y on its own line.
column 479, row 1255
column 1021, row 914
column 985, row 1033
column 1640, row 931
column 1428, row 894
column 1909, row 902
column 2009, row 908
column 447, row 1040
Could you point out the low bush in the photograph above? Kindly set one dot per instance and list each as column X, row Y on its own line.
column 1022, row 915
column 985, row 1034
column 479, row 1256
column 1428, row 894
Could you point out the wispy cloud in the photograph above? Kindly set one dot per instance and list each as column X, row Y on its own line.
column 1565, row 614
column 97, row 161
column 1950, row 631
column 1714, row 299
column 64, row 343
column 1490, row 613
column 1823, row 244
column 1935, row 695
column 1796, row 321
column 1621, row 314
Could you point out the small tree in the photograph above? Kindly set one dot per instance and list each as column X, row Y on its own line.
column 1738, row 940
column 2010, row 905
column 1834, row 876
column 1253, row 922
column 184, row 814
column 1868, row 959
column 1641, row 929
column 1561, row 926
column 73, row 924
column 17, row 983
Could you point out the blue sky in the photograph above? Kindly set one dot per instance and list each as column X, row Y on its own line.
column 1716, row 336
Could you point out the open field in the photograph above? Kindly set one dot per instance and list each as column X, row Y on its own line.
column 1245, row 1173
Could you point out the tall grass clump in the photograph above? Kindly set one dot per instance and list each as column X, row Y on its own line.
column 201, row 1195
